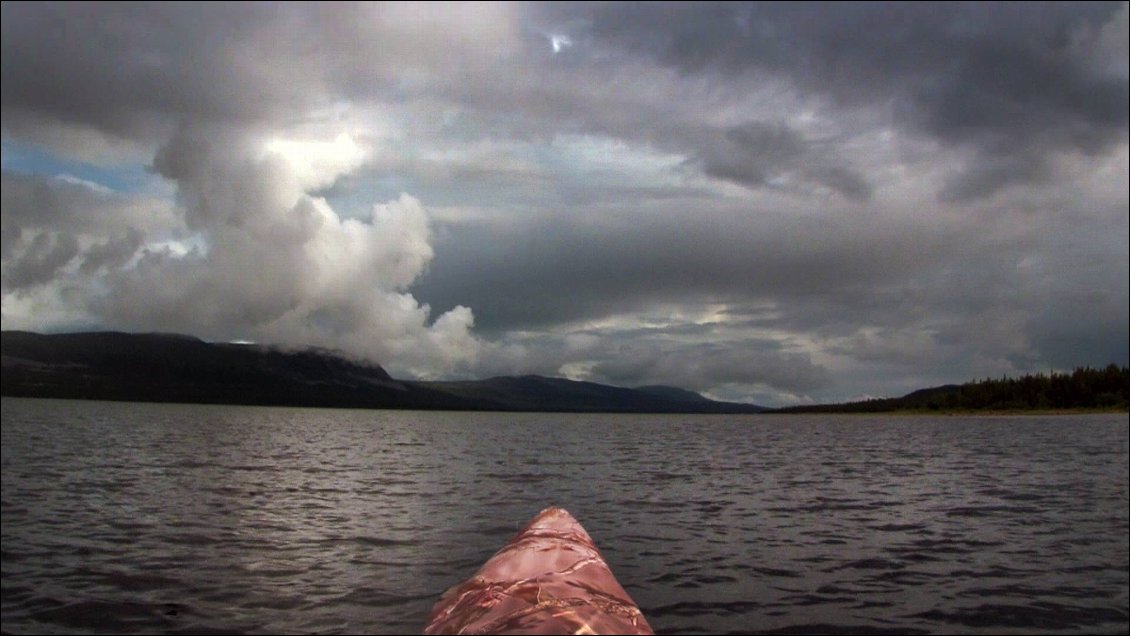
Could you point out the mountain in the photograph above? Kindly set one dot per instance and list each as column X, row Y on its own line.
column 673, row 393
column 175, row 368
column 538, row 393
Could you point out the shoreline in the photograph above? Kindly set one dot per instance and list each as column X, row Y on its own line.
column 965, row 413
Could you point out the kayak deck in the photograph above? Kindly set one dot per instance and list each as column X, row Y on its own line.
column 549, row 579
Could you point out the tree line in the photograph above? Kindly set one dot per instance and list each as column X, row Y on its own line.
column 1083, row 388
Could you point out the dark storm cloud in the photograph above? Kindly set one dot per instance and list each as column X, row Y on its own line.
column 129, row 69
column 707, row 366
column 141, row 71
column 45, row 254
column 113, row 253
column 756, row 152
column 546, row 272
column 1015, row 290
column 1008, row 81
column 988, row 175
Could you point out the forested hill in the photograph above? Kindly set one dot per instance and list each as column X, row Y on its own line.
column 1083, row 388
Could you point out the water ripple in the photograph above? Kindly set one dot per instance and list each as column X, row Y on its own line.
column 188, row 519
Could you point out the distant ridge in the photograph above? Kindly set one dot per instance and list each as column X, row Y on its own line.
column 538, row 393
column 178, row 368
column 673, row 393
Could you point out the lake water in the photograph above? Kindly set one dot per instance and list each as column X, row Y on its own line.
column 174, row 518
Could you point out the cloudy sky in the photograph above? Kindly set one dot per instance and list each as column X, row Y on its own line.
column 773, row 203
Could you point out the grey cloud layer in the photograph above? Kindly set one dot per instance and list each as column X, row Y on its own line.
column 857, row 188
column 1009, row 82
column 551, row 271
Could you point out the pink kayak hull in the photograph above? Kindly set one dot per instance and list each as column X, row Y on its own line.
column 550, row 579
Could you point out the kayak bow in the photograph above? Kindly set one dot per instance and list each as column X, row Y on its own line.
column 550, row 579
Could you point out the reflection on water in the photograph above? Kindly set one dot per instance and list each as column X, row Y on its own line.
column 173, row 518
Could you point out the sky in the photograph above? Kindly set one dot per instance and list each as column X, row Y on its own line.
column 773, row 203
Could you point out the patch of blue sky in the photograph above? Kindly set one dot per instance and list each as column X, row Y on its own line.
column 134, row 178
column 355, row 198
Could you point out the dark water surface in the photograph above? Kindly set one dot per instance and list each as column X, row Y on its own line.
column 171, row 518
